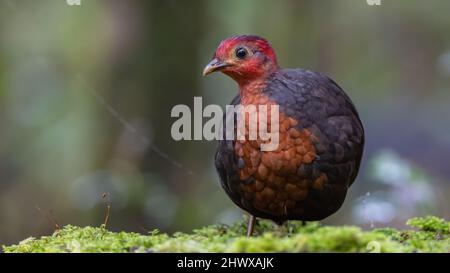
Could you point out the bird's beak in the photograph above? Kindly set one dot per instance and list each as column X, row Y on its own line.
column 213, row 66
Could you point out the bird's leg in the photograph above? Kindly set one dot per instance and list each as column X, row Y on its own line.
column 251, row 225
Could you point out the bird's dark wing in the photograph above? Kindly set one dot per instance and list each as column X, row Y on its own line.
column 226, row 162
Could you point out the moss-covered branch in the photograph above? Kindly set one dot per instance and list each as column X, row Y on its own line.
column 430, row 234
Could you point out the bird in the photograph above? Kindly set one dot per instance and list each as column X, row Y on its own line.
column 321, row 137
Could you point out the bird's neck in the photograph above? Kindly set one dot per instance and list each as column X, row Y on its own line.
column 253, row 89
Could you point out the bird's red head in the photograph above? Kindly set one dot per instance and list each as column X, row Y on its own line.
column 244, row 58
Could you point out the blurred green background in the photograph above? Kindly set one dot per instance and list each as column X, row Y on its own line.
column 70, row 75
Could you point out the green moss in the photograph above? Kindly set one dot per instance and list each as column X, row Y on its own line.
column 431, row 235
column 430, row 223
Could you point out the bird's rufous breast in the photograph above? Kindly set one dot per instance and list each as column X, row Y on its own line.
column 279, row 180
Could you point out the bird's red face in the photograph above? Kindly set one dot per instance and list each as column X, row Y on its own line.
column 244, row 58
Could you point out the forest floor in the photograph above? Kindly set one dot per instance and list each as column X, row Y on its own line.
column 428, row 234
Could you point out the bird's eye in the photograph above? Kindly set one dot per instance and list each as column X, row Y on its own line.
column 241, row 52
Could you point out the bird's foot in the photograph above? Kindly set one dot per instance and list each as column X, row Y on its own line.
column 282, row 228
column 288, row 227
